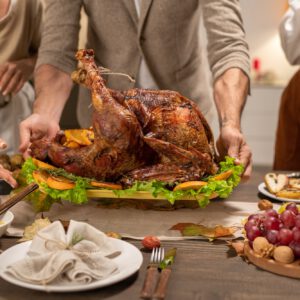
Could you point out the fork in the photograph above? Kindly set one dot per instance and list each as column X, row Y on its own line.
column 157, row 256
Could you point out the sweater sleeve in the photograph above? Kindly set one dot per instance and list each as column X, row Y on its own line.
column 60, row 34
column 36, row 19
column 226, row 47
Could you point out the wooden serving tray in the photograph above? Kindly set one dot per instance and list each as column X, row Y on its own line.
column 142, row 195
column 141, row 200
column 268, row 264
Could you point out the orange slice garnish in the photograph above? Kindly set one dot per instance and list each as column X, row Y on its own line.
column 223, row 176
column 190, row 185
column 60, row 183
column 42, row 165
column 106, row 185
column 40, row 177
column 83, row 137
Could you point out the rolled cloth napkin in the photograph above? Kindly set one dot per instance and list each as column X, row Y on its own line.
column 79, row 256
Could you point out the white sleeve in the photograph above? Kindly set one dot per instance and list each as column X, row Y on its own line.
column 289, row 31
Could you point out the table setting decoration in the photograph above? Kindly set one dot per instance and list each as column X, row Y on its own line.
column 209, row 268
column 272, row 240
column 158, row 273
column 82, row 258
column 142, row 223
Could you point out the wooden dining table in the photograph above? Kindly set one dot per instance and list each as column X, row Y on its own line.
column 202, row 270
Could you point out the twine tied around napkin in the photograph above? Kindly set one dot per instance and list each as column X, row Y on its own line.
column 81, row 255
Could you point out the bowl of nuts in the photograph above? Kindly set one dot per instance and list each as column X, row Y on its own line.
column 273, row 240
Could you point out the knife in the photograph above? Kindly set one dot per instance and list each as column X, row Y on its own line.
column 165, row 268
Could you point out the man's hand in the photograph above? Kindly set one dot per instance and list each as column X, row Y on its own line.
column 52, row 88
column 231, row 142
column 13, row 75
column 35, row 127
column 230, row 92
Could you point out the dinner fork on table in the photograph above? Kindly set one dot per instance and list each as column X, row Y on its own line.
column 156, row 258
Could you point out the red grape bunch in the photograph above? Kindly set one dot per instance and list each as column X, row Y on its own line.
column 279, row 229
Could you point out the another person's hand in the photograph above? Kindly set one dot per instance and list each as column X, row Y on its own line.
column 13, row 75
column 231, row 142
column 36, row 127
column 3, row 144
column 7, row 176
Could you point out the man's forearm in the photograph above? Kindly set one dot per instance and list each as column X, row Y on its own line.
column 52, row 88
column 230, row 92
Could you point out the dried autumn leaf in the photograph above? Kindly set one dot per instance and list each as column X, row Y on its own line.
column 238, row 247
column 191, row 229
column 224, row 231
column 181, row 226
column 31, row 230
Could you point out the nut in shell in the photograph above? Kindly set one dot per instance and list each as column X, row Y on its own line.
column 264, row 204
column 284, row 254
column 262, row 247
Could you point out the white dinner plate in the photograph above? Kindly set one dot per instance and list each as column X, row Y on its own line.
column 263, row 189
column 128, row 262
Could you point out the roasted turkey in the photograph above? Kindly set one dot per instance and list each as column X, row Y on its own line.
column 139, row 135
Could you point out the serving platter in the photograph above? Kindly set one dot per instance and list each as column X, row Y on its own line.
column 143, row 200
column 140, row 195
column 263, row 189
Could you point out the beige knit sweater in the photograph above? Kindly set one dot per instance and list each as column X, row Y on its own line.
column 166, row 35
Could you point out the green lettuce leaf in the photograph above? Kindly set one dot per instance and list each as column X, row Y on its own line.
column 77, row 195
column 42, row 201
column 221, row 187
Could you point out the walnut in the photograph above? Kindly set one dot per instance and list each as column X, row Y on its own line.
column 284, row 254
column 264, row 204
column 262, row 247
